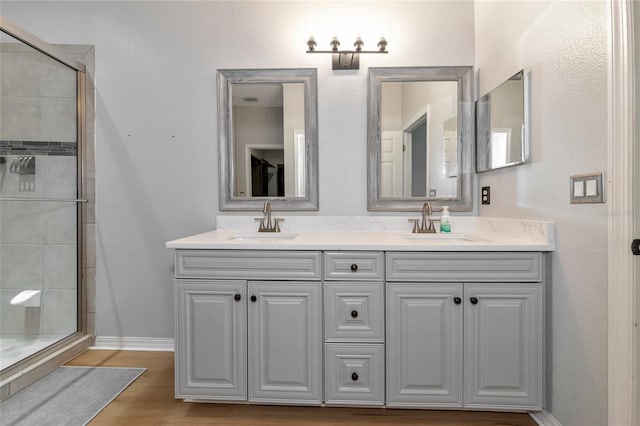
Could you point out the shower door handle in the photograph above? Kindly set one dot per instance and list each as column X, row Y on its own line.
column 55, row 200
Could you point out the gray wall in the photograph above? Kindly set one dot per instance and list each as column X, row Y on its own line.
column 156, row 147
column 563, row 45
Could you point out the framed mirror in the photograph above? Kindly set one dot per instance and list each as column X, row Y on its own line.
column 502, row 125
column 268, row 139
column 420, row 138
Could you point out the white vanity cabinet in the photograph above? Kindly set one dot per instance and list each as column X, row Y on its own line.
column 487, row 306
column 257, row 337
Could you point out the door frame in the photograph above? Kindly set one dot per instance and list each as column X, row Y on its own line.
column 247, row 162
column 622, row 347
column 423, row 114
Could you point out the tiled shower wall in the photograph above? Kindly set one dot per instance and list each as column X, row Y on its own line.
column 38, row 240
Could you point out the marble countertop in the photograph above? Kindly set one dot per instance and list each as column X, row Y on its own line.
column 374, row 233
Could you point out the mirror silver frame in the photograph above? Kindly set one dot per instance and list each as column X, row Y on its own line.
column 483, row 130
column 466, row 133
column 227, row 77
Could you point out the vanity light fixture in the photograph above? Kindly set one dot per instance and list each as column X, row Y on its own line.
column 346, row 59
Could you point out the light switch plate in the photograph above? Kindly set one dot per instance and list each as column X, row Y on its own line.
column 587, row 188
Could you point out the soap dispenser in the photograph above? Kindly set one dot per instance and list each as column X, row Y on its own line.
column 445, row 220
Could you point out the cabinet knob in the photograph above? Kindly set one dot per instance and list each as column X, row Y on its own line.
column 254, row 298
column 354, row 377
column 474, row 300
column 237, row 297
column 354, row 314
column 354, row 267
column 457, row 300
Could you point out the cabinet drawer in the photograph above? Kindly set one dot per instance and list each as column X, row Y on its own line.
column 354, row 374
column 354, row 265
column 354, row 312
column 456, row 266
column 248, row 264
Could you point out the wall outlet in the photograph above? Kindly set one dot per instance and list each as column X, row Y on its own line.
column 485, row 195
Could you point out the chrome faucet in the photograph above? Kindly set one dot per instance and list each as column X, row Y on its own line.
column 269, row 225
column 425, row 225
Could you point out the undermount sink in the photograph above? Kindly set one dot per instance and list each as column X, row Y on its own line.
column 262, row 236
column 437, row 237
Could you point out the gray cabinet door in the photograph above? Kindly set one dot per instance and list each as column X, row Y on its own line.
column 285, row 342
column 424, row 345
column 211, row 342
column 504, row 346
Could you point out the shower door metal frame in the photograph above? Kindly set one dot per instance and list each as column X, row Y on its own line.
column 20, row 374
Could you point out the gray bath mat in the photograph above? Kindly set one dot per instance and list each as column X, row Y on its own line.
column 67, row 396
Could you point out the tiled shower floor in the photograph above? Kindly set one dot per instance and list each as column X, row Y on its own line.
column 15, row 348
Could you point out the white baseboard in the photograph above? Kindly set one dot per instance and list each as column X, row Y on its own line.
column 133, row 343
column 544, row 418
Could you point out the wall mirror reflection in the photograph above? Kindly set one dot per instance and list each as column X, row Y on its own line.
column 268, row 139
column 418, row 152
column 501, row 139
column 420, row 137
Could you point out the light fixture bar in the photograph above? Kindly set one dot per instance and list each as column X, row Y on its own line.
column 346, row 59
column 345, row 51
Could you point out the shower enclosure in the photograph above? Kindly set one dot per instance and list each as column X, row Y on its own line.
column 42, row 201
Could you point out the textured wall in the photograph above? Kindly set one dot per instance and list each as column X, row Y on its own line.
column 563, row 45
column 157, row 148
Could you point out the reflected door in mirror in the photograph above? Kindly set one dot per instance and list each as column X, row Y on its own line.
column 418, row 150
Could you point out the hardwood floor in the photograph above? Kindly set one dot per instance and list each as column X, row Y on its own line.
column 150, row 401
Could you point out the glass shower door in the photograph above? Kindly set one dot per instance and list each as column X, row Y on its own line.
column 38, row 201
